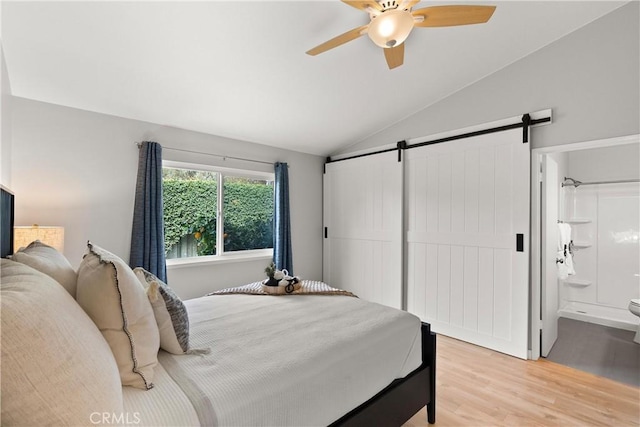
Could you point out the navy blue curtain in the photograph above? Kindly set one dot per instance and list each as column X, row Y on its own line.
column 147, row 236
column 282, row 256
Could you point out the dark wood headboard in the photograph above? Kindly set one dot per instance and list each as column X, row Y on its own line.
column 7, row 207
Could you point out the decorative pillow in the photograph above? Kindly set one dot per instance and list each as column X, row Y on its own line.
column 113, row 297
column 170, row 312
column 49, row 261
column 57, row 369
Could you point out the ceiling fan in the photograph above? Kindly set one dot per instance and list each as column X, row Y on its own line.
column 393, row 20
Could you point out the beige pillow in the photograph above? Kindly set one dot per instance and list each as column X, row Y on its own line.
column 57, row 369
column 49, row 261
column 114, row 298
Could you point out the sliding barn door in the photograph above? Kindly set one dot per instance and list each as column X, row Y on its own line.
column 467, row 224
column 363, row 227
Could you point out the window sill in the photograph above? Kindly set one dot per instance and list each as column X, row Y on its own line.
column 260, row 254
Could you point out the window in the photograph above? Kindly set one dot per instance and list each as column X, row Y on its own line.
column 213, row 211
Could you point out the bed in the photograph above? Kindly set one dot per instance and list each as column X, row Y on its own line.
column 254, row 360
column 316, row 378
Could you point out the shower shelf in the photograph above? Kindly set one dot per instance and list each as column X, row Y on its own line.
column 579, row 283
column 581, row 245
column 578, row 220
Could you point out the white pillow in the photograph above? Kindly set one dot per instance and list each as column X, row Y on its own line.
column 170, row 313
column 113, row 297
column 49, row 261
column 57, row 369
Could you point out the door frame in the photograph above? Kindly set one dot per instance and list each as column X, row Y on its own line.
column 536, row 227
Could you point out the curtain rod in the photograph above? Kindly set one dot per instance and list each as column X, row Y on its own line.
column 139, row 144
column 576, row 183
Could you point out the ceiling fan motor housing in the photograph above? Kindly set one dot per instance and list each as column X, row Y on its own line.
column 390, row 4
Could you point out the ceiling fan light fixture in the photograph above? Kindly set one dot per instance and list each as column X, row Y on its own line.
column 390, row 28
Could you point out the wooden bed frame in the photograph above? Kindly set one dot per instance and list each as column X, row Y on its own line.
column 399, row 401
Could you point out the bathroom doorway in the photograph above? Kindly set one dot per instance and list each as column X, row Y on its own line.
column 592, row 191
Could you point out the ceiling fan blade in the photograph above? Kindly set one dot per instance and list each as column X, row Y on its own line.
column 337, row 41
column 408, row 4
column 448, row 16
column 364, row 4
column 394, row 56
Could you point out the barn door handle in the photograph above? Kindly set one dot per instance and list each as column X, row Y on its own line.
column 519, row 242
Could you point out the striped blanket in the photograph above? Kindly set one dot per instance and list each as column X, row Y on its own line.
column 309, row 287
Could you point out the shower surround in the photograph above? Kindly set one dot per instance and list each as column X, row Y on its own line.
column 605, row 222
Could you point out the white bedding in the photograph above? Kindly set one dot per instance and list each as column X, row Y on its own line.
column 164, row 405
column 278, row 361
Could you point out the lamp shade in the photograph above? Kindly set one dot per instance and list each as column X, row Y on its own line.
column 391, row 28
column 52, row 236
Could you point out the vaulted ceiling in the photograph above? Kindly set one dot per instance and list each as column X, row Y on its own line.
column 238, row 69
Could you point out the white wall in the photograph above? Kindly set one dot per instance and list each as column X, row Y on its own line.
column 605, row 164
column 5, row 125
column 589, row 78
column 78, row 169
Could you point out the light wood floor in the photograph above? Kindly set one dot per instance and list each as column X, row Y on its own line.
column 480, row 387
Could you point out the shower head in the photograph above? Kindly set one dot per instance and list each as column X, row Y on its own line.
column 573, row 182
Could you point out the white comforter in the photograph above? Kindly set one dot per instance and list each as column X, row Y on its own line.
column 283, row 361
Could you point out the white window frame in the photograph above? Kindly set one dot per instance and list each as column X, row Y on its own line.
column 222, row 256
